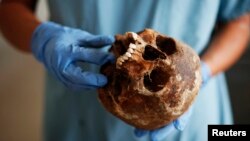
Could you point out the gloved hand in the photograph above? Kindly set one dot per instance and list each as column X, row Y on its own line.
column 161, row 133
column 205, row 73
column 59, row 48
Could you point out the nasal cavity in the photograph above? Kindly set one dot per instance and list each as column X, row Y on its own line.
column 151, row 53
column 156, row 80
column 119, row 47
column 166, row 45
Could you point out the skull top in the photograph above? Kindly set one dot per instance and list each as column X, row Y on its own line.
column 154, row 80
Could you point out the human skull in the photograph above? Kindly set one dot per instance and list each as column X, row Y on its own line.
column 154, row 80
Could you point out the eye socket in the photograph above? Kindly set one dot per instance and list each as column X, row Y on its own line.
column 151, row 53
column 166, row 45
column 156, row 80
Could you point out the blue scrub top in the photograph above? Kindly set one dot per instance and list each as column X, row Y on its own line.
column 79, row 116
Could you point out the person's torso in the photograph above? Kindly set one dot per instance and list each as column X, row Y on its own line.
column 80, row 116
column 190, row 21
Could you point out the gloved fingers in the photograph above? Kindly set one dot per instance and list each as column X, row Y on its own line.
column 161, row 133
column 92, row 55
column 76, row 76
column 181, row 122
column 97, row 41
column 140, row 132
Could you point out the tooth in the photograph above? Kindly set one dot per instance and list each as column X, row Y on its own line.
column 125, row 57
column 119, row 63
column 132, row 46
column 128, row 54
column 121, row 59
column 130, row 50
column 134, row 35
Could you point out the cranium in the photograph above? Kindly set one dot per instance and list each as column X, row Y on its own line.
column 154, row 80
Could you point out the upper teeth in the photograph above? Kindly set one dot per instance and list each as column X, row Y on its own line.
column 127, row 55
column 132, row 49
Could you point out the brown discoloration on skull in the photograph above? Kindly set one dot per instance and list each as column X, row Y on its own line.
column 154, row 80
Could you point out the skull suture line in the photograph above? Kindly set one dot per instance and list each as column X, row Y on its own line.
column 154, row 80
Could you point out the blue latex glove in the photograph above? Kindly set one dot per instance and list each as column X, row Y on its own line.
column 161, row 133
column 205, row 73
column 180, row 123
column 59, row 48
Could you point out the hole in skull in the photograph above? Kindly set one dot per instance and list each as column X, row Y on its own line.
column 166, row 44
column 156, row 80
column 151, row 53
